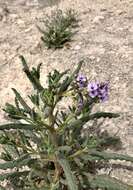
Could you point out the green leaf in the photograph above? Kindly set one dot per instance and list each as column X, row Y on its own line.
column 68, row 80
column 47, row 97
column 14, row 112
column 24, row 139
column 31, row 76
column 55, row 186
column 64, row 148
column 86, row 117
column 12, row 175
column 100, row 115
column 107, row 183
column 54, row 78
column 68, row 173
column 6, row 156
column 109, row 156
column 34, row 99
column 87, row 158
column 21, row 100
column 9, row 151
column 36, row 72
column 110, row 141
column 17, row 126
column 22, row 161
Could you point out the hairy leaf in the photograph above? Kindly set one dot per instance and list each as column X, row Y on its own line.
column 21, row 100
column 69, row 175
column 109, row 156
column 68, row 80
column 33, row 79
column 16, row 126
column 22, row 161
column 13, row 174
column 107, row 183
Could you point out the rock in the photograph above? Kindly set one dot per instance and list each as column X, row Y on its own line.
column 21, row 23
column 103, row 9
column 28, row 30
column 14, row 16
column 98, row 60
column 98, row 19
column 80, row 43
column 93, row 26
column 77, row 47
column 92, row 58
column 120, row 12
column 85, row 31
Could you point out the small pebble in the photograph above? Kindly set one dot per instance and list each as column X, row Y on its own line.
column 21, row 23
column 98, row 59
column 14, row 16
column 120, row 12
column 103, row 9
column 77, row 47
column 98, row 19
column 85, row 31
column 28, row 30
column 92, row 58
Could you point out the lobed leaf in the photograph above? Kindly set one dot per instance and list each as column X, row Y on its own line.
column 17, row 126
column 100, row 115
column 109, row 156
column 86, row 117
column 32, row 77
column 12, row 175
column 68, row 80
column 71, row 181
column 22, row 161
column 21, row 100
column 107, row 183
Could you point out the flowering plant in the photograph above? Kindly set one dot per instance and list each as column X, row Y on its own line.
column 47, row 148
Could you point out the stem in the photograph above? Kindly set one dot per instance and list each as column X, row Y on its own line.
column 79, row 152
column 54, row 141
column 49, row 127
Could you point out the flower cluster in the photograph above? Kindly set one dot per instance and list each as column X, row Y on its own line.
column 94, row 89
column 99, row 90
column 81, row 80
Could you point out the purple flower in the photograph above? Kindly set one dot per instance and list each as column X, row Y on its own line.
column 103, row 88
column 93, row 86
column 103, row 92
column 104, row 97
column 81, row 80
column 98, row 90
column 93, row 89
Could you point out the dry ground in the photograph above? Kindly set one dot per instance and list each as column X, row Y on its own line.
column 104, row 40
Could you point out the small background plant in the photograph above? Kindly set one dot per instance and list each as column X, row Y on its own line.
column 46, row 148
column 58, row 28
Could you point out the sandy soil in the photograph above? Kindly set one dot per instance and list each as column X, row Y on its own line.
column 104, row 40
